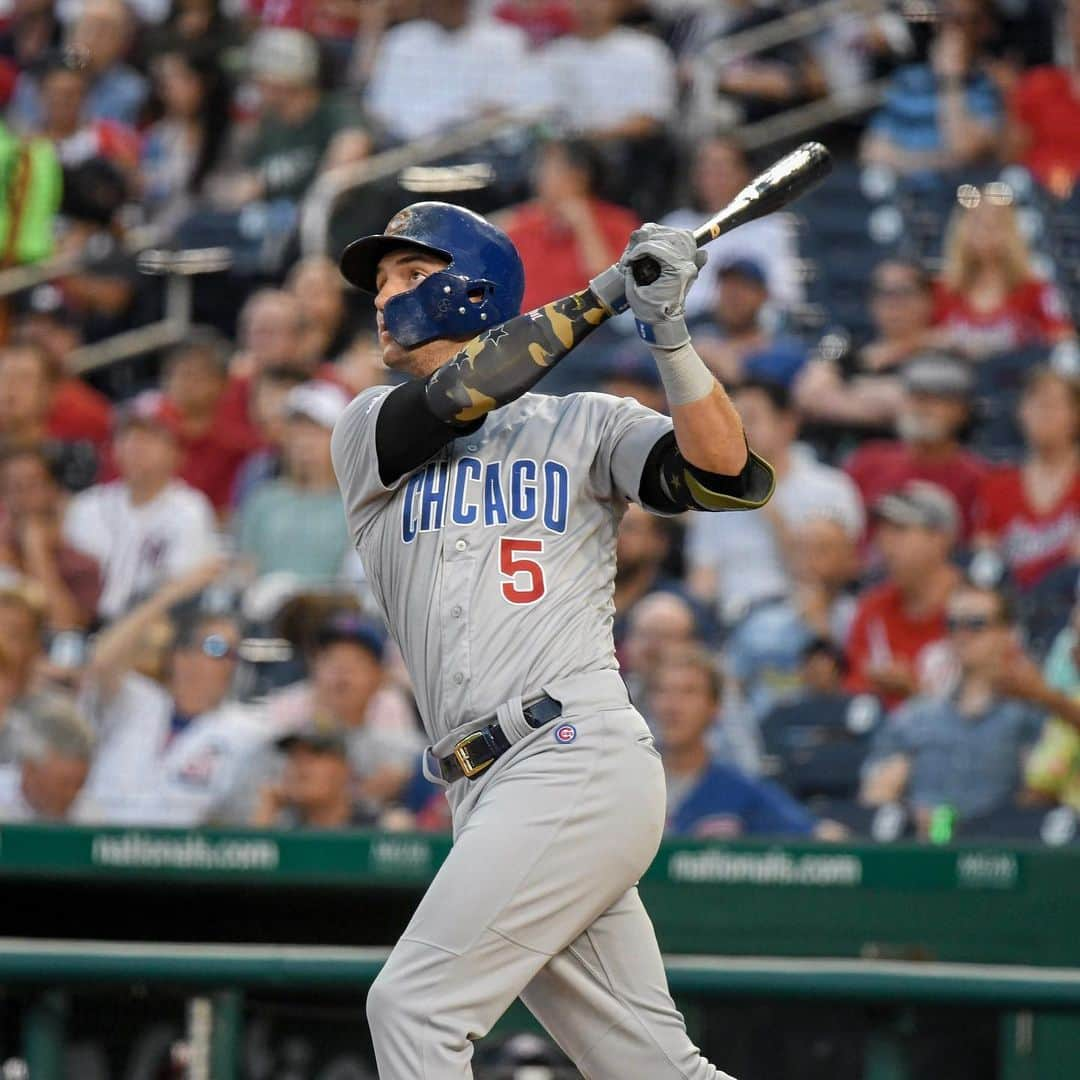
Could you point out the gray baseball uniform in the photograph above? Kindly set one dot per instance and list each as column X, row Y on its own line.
column 494, row 564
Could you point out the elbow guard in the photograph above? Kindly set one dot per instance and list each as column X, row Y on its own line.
column 669, row 482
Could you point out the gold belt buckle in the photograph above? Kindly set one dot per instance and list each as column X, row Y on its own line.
column 461, row 755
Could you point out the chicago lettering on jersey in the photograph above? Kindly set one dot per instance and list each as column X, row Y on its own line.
column 469, row 491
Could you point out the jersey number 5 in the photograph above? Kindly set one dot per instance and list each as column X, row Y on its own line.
column 520, row 571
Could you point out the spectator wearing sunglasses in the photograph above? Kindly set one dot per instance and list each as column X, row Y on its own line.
column 177, row 753
column 965, row 750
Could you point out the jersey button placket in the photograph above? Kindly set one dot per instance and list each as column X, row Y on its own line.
column 458, row 579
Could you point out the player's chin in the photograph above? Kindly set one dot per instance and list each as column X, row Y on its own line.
column 394, row 356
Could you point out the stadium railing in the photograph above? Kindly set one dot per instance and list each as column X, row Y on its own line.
column 224, row 916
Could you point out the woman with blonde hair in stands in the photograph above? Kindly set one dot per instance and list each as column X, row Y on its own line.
column 989, row 298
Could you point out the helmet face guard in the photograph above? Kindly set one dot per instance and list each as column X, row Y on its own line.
column 482, row 287
column 443, row 305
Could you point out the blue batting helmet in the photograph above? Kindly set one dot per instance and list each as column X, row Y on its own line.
column 481, row 287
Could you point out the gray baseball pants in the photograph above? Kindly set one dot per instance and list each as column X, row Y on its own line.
column 538, row 898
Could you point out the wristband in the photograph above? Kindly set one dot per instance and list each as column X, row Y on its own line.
column 683, row 373
column 669, row 334
column 609, row 288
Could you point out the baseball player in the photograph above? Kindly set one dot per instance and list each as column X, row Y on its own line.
column 486, row 517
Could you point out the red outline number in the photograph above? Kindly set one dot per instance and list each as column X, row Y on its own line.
column 510, row 566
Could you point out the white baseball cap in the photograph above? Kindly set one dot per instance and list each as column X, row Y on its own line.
column 285, row 55
column 321, row 402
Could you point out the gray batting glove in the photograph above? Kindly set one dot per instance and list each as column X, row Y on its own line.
column 660, row 306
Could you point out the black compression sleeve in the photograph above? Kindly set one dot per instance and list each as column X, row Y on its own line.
column 670, row 484
column 408, row 433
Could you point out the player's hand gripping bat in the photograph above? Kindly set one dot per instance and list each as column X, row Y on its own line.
column 778, row 185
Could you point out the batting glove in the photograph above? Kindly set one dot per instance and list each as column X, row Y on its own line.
column 660, row 306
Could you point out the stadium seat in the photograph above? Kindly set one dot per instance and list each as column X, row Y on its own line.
column 999, row 381
column 1055, row 827
column 819, row 743
column 882, row 823
column 1044, row 609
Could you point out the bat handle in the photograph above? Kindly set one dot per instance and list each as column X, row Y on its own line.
column 645, row 270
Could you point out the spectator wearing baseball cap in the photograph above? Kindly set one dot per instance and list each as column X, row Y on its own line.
column 736, row 344
column 296, row 522
column 316, row 786
column 895, row 647
column 935, row 409
column 348, row 691
column 147, row 526
column 297, row 121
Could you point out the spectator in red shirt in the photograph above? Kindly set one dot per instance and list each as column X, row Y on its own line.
column 893, row 648
column 1030, row 513
column 77, row 412
column 271, row 329
column 933, row 413
column 1044, row 118
column 989, row 299
column 27, row 385
column 194, row 382
column 567, row 235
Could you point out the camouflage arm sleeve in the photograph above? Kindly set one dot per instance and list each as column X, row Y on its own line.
column 506, row 361
column 669, row 482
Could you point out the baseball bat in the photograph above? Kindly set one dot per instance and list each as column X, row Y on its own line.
column 781, row 183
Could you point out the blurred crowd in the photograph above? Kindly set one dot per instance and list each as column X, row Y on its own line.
column 891, row 647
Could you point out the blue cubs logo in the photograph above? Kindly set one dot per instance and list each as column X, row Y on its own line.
column 565, row 733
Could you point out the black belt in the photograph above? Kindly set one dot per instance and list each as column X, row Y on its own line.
column 481, row 749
